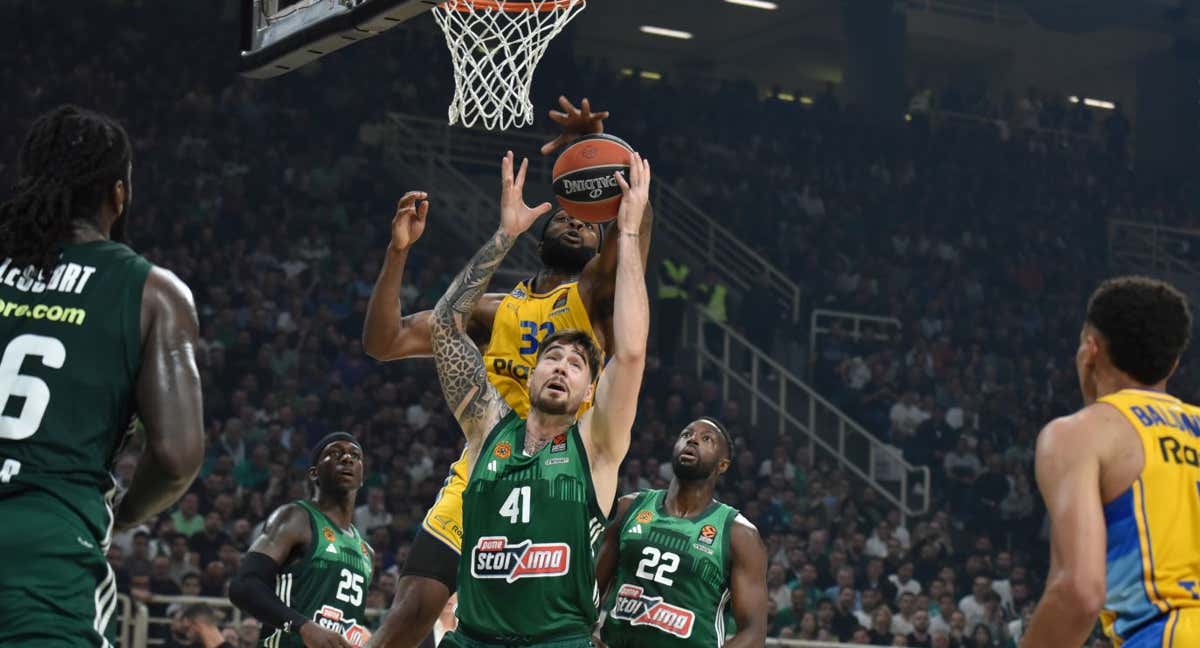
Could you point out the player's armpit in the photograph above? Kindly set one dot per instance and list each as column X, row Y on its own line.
column 1068, row 475
column 748, row 585
column 606, row 559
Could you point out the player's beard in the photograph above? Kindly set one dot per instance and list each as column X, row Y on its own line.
column 698, row 471
column 547, row 406
column 565, row 259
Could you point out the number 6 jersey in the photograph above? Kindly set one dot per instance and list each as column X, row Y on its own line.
column 671, row 585
column 71, row 348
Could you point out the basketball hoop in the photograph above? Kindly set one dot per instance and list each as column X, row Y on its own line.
column 495, row 46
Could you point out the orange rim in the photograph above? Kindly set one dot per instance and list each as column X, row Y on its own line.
column 511, row 7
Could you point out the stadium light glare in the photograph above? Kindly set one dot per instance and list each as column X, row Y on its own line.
column 663, row 31
column 757, row 4
column 1099, row 103
column 1073, row 99
column 651, row 75
column 806, row 100
column 785, row 96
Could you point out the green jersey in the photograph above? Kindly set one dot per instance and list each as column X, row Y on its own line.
column 532, row 529
column 672, row 580
column 70, row 347
column 328, row 585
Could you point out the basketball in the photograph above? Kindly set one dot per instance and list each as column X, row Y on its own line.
column 583, row 177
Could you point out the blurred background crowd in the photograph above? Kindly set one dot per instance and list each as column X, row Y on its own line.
column 262, row 197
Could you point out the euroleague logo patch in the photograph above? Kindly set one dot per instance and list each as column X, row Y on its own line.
column 644, row 517
column 493, row 557
column 503, row 450
column 635, row 607
column 559, row 443
column 328, row 533
column 708, row 534
column 331, row 618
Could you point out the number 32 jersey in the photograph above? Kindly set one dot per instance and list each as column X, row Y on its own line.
column 671, row 586
column 70, row 348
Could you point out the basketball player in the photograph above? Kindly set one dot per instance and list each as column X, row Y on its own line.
column 672, row 560
column 1120, row 481
column 540, row 487
column 90, row 334
column 574, row 290
column 306, row 575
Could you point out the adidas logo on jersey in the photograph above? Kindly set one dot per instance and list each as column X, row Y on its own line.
column 331, row 549
column 638, row 609
column 637, row 528
column 330, row 618
column 495, row 558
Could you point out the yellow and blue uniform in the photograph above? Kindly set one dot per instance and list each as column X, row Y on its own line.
column 523, row 320
column 1153, row 552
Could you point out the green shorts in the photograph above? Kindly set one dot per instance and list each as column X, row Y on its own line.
column 457, row 640
column 56, row 588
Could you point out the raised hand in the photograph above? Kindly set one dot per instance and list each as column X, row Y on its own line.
column 515, row 215
column 575, row 123
column 636, row 193
column 409, row 222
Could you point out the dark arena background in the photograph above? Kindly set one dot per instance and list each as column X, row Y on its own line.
column 891, row 214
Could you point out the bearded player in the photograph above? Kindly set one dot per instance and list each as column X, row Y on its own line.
column 1120, row 480
column 573, row 291
column 91, row 334
column 674, row 560
column 540, row 487
column 306, row 575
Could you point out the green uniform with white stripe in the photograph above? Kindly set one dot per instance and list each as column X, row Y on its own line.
column 329, row 586
column 532, row 529
column 672, row 581
column 70, row 348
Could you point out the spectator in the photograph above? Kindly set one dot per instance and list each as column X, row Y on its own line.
column 903, row 580
column 208, row 542
column 372, row 515
column 777, row 588
column 843, row 622
column 902, row 621
column 138, row 563
column 186, row 518
column 254, row 472
column 880, row 633
column 919, row 637
column 199, row 623
column 973, row 605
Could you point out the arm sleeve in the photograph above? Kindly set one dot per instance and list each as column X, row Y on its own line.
column 252, row 591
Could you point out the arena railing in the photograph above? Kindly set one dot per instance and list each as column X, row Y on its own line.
column 777, row 398
column 1148, row 247
column 859, row 326
column 993, row 11
column 692, row 236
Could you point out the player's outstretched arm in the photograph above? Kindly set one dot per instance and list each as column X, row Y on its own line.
column 607, row 426
column 597, row 282
column 388, row 334
column 1068, row 475
column 575, row 122
column 470, row 396
column 748, row 585
column 287, row 535
column 169, row 400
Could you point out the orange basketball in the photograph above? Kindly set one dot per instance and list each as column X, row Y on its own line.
column 583, row 177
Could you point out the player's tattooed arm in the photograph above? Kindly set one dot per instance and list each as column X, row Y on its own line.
column 470, row 396
column 748, row 585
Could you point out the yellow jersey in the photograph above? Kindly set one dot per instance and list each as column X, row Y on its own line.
column 523, row 320
column 1153, row 529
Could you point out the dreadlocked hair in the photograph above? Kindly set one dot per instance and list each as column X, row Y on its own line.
column 68, row 163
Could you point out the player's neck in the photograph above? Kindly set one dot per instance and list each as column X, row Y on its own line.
column 548, row 279
column 1115, row 382
column 86, row 232
column 338, row 507
column 541, row 427
column 686, row 498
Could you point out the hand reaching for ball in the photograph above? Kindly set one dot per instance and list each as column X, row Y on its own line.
column 636, row 194
column 409, row 222
column 515, row 215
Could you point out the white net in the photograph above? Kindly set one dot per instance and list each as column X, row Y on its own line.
column 495, row 47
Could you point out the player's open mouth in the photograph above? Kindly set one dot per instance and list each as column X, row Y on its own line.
column 688, row 453
column 572, row 237
column 556, row 387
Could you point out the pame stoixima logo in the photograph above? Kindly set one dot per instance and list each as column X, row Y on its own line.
column 331, row 618
column 494, row 557
column 638, row 609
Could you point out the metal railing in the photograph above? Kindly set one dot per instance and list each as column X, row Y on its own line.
column 692, row 235
column 804, row 643
column 1173, row 252
column 859, row 326
column 777, row 398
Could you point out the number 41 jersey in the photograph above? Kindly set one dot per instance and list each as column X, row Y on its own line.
column 672, row 581
column 70, row 348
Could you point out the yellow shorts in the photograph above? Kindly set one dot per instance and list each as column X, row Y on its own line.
column 444, row 520
column 1178, row 629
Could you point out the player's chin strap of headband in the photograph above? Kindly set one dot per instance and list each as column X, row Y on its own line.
column 252, row 590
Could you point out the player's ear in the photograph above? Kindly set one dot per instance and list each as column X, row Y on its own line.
column 723, row 465
column 591, row 393
column 312, row 474
column 116, row 197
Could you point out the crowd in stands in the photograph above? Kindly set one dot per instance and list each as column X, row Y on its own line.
column 982, row 241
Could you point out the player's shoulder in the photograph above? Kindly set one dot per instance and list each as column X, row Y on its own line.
column 1085, row 430
column 165, row 290
column 288, row 519
column 743, row 534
